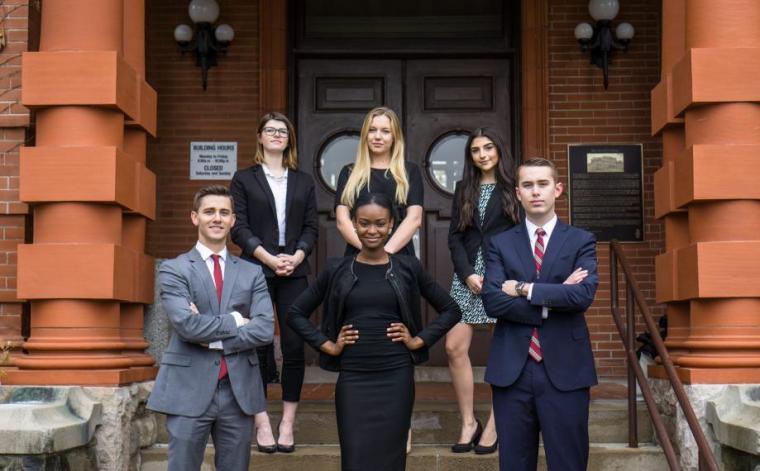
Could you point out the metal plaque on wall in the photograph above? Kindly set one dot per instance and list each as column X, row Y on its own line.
column 606, row 190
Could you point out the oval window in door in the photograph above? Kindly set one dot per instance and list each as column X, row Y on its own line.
column 445, row 160
column 339, row 150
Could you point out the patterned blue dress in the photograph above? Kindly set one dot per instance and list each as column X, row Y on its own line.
column 469, row 302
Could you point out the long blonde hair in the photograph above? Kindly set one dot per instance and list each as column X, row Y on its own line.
column 290, row 155
column 360, row 174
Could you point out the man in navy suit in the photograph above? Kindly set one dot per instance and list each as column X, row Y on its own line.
column 540, row 278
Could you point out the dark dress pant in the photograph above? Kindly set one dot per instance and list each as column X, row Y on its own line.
column 532, row 405
column 284, row 290
column 230, row 430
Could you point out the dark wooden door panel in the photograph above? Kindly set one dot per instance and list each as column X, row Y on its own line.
column 434, row 98
column 438, row 262
column 333, row 97
column 445, row 97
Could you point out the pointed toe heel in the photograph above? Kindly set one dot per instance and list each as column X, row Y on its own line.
column 468, row 446
column 286, row 448
column 486, row 450
column 269, row 449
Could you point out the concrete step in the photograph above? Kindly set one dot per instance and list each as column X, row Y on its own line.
column 437, row 422
column 607, row 457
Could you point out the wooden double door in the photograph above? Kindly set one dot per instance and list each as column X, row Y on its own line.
column 439, row 102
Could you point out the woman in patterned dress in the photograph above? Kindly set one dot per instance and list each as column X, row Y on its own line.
column 484, row 205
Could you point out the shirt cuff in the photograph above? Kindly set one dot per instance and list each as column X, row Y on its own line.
column 239, row 321
column 530, row 292
column 216, row 345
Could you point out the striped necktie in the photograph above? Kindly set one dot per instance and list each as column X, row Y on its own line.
column 534, row 349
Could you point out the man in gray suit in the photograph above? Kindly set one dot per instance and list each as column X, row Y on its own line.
column 219, row 308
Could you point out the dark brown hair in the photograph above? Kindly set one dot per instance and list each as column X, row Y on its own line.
column 470, row 184
column 211, row 190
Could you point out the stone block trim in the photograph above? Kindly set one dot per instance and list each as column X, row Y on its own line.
column 95, row 174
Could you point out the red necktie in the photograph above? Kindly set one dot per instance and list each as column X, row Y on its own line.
column 534, row 349
column 219, row 282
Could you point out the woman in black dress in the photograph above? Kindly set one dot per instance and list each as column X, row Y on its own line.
column 276, row 227
column 380, row 168
column 372, row 333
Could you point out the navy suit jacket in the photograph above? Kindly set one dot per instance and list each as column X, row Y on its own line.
column 564, row 336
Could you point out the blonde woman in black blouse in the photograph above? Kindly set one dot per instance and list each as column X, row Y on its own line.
column 380, row 167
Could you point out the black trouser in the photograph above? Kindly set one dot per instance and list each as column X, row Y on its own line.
column 284, row 290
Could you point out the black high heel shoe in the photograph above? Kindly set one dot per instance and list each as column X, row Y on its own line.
column 269, row 449
column 468, row 446
column 284, row 448
column 487, row 450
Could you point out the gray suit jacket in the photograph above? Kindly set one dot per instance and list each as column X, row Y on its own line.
column 187, row 377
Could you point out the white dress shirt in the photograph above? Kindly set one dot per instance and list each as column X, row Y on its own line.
column 279, row 187
column 548, row 228
column 206, row 254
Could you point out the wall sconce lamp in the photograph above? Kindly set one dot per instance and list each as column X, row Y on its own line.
column 207, row 40
column 599, row 38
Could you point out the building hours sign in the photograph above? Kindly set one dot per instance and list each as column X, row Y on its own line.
column 213, row 160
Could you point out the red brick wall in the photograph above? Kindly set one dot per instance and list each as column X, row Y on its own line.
column 582, row 112
column 21, row 26
column 226, row 111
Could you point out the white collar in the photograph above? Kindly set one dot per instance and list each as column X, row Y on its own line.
column 269, row 173
column 207, row 252
column 548, row 227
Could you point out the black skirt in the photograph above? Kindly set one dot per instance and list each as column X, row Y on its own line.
column 374, row 411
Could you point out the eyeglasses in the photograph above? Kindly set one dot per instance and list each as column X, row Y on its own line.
column 271, row 132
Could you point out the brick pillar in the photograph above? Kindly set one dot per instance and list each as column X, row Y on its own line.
column 20, row 23
column 86, row 273
column 714, row 88
column 675, row 220
column 136, row 146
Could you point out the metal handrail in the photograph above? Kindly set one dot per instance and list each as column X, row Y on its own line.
column 635, row 298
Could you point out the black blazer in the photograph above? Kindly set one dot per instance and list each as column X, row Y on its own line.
column 464, row 244
column 408, row 280
column 256, row 216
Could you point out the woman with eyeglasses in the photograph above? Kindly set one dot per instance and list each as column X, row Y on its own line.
column 276, row 228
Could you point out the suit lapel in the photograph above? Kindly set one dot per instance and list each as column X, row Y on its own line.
column 231, row 269
column 261, row 179
column 491, row 206
column 522, row 247
column 201, row 271
column 290, row 192
column 554, row 247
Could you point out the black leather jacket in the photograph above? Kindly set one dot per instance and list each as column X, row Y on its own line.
column 408, row 280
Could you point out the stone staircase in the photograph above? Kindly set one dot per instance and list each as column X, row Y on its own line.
column 435, row 425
